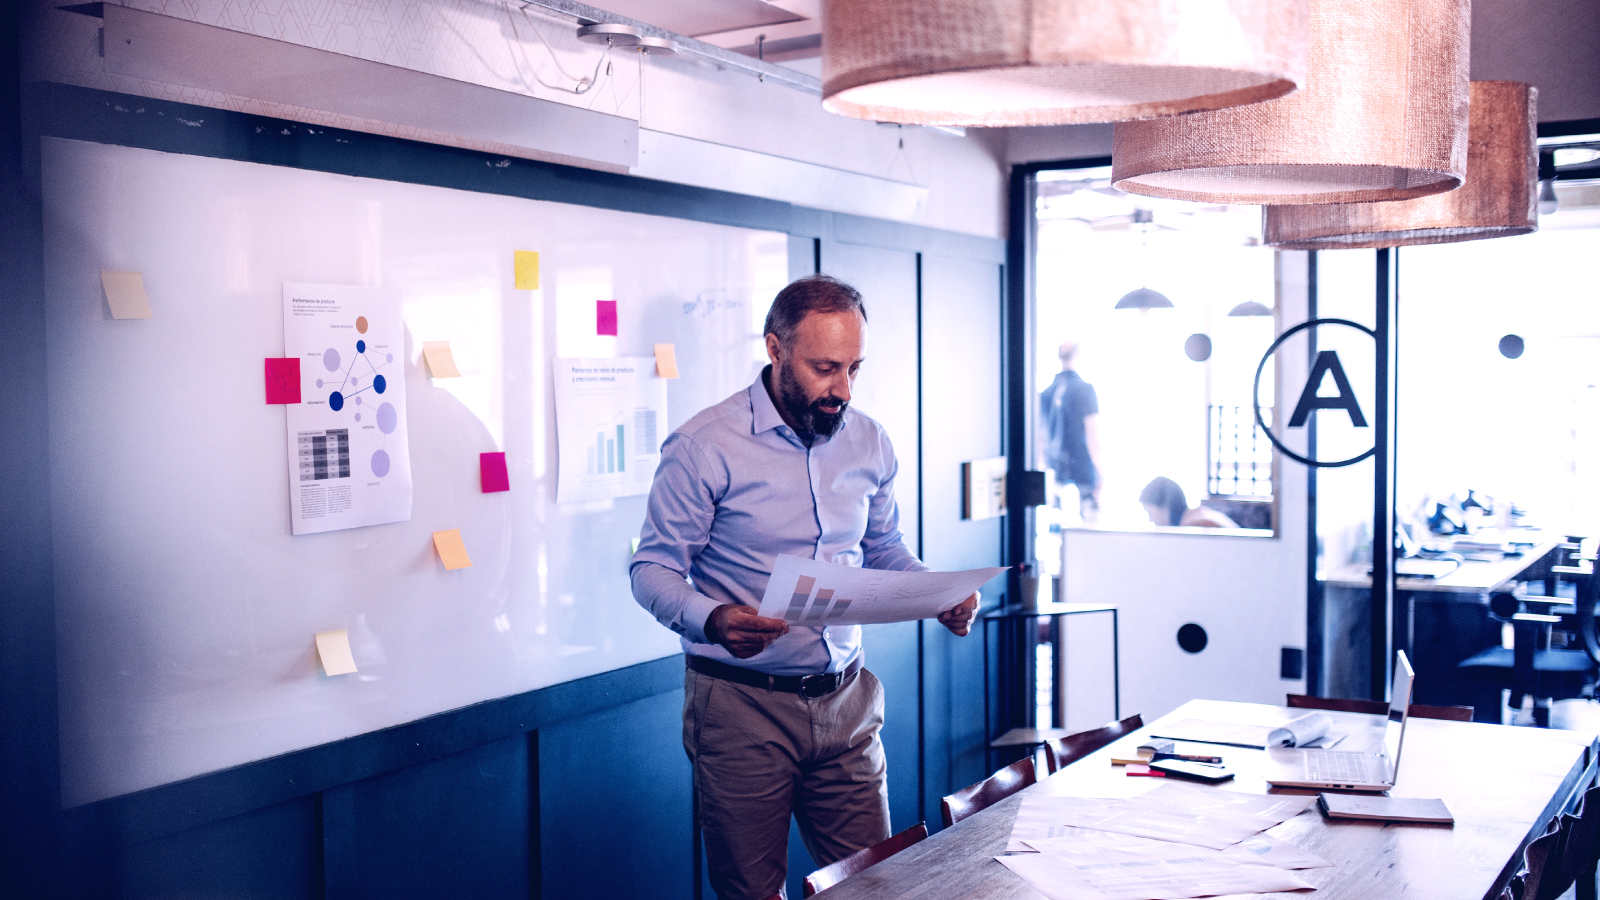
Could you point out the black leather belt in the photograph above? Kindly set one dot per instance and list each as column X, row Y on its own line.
column 805, row 685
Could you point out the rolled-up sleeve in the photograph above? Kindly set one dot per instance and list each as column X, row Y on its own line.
column 677, row 527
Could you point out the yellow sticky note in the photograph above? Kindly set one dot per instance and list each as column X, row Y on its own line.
column 333, row 648
column 666, row 361
column 452, row 552
column 441, row 362
column 636, row 545
column 125, row 293
column 527, row 264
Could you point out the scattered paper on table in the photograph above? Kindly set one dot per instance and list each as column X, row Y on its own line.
column 125, row 294
column 666, row 361
column 283, row 379
column 1205, row 817
column 333, row 649
column 611, row 419
column 441, row 361
column 492, row 474
column 1261, row 848
column 526, row 263
column 349, row 460
column 809, row 592
column 452, row 552
column 605, row 317
column 1037, row 819
column 1107, row 873
column 1205, row 731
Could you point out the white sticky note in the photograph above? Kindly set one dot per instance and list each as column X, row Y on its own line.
column 666, row 361
column 125, row 293
column 441, row 362
column 333, row 648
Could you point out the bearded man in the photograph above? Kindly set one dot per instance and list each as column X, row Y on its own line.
column 779, row 720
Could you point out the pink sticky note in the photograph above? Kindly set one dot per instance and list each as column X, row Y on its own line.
column 283, row 379
column 492, row 472
column 605, row 317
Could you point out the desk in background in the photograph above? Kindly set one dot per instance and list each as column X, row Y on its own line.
column 1438, row 621
column 1504, row 785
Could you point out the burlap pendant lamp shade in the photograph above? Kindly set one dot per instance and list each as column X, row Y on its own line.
column 1382, row 116
column 1045, row 62
column 1498, row 199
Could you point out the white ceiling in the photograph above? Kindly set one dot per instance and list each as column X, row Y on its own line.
column 704, row 18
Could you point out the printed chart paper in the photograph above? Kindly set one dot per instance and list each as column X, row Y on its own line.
column 1206, row 731
column 349, row 462
column 809, row 592
column 611, row 419
column 1205, row 817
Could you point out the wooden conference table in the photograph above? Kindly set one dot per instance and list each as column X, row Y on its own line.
column 1503, row 785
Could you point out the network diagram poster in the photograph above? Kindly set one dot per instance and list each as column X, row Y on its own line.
column 611, row 418
column 349, row 464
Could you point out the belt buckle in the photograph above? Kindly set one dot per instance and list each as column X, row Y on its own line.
column 819, row 685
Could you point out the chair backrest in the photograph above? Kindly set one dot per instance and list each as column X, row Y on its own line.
column 1540, row 859
column 988, row 792
column 828, row 876
column 1580, row 847
column 1065, row 751
column 1378, row 707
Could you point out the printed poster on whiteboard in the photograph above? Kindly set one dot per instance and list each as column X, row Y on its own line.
column 349, row 464
column 611, row 419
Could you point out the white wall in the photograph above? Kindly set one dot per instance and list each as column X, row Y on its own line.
column 1247, row 592
column 954, row 183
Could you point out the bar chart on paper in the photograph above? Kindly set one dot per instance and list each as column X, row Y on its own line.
column 608, row 413
column 811, row 592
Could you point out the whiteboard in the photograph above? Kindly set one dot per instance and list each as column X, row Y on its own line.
column 185, row 609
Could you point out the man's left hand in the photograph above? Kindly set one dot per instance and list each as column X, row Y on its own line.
column 959, row 618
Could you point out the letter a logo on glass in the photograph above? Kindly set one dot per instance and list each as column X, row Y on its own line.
column 1326, row 367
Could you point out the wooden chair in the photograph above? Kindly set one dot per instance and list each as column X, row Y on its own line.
column 1378, row 707
column 988, row 792
column 1538, row 859
column 828, row 876
column 1064, row 751
column 1575, row 860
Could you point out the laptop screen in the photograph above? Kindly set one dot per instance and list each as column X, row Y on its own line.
column 1399, row 702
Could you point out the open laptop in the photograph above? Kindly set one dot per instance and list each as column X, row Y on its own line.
column 1373, row 770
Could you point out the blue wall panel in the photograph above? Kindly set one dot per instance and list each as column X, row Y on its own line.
column 615, row 804
column 267, row 854
column 454, row 827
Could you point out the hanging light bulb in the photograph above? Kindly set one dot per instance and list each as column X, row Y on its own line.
column 1383, row 116
column 1143, row 299
column 1496, row 200
column 1251, row 308
column 998, row 62
column 1548, row 201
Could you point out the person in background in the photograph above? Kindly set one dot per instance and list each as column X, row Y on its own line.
column 1166, row 504
column 1070, row 411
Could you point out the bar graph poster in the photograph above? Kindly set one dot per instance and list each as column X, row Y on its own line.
column 611, row 417
column 349, row 462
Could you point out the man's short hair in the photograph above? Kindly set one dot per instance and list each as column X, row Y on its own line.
column 1067, row 351
column 811, row 294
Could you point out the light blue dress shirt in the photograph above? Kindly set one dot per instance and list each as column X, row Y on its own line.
column 736, row 488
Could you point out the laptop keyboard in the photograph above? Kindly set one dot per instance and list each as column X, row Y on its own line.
column 1335, row 766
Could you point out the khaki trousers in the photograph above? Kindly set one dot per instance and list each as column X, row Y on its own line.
column 760, row 756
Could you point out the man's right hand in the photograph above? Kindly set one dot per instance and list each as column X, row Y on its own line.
column 742, row 631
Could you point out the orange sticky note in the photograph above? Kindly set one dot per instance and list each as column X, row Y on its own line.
column 527, row 267
column 333, row 649
column 125, row 294
column 666, row 361
column 441, row 362
column 452, row 552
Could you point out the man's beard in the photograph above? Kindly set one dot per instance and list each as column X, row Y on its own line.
column 809, row 416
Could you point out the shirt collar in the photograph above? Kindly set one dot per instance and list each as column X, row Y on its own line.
column 766, row 416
